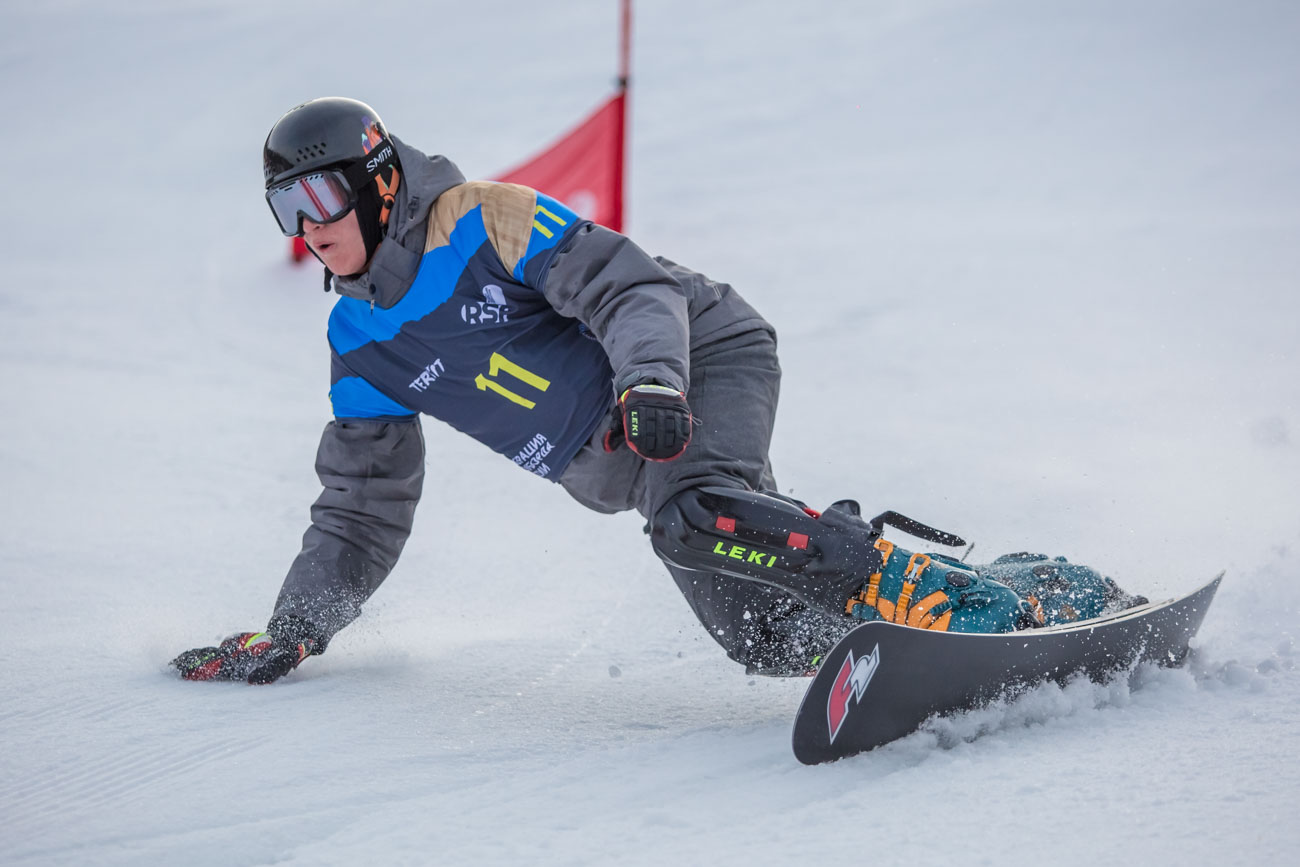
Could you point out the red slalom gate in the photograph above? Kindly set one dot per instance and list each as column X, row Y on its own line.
column 587, row 166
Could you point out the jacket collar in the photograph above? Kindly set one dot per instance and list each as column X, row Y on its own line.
column 397, row 258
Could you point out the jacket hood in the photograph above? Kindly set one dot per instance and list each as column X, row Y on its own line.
column 397, row 259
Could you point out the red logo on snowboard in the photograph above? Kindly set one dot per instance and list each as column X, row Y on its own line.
column 850, row 684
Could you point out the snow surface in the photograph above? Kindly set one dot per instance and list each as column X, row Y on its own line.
column 1034, row 266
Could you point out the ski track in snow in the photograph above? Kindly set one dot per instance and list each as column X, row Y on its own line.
column 1034, row 271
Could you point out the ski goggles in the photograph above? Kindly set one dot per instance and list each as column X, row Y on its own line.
column 326, row 195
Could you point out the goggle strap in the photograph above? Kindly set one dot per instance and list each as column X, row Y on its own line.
column 386, row 194
column 359, row 174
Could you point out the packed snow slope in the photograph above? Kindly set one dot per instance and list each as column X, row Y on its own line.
column 1034, row 268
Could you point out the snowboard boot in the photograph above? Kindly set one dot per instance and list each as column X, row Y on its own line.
column 1067, row 591
column 933, row 591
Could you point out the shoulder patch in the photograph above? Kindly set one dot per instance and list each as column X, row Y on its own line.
column 507, row 211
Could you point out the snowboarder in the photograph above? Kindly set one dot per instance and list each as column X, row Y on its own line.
column 633, row 382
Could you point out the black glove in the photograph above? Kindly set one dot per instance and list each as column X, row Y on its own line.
column 656, row 421
column 257, row 657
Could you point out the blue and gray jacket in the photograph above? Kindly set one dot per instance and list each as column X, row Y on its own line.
column 506, row 315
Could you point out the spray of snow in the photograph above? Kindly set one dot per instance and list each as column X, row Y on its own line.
column 1033, row 268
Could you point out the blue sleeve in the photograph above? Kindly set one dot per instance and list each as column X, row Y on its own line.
column 354, row 397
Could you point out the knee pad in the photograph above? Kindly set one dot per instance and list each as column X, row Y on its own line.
column 820, row 559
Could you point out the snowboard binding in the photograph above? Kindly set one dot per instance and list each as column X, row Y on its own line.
column 835, row 560
column 840, row 563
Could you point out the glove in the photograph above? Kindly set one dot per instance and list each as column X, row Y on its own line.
column 656, row 421
column 257, row 657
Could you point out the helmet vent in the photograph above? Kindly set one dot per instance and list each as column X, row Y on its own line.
column 311, row 151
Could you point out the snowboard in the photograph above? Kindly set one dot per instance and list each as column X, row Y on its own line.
column 881, row 681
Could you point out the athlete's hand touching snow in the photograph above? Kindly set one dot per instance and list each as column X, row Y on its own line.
column 257, row 657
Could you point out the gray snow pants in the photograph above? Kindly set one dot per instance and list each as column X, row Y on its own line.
column 735, row 385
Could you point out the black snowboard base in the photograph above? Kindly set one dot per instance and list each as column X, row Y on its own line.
column 881, row 681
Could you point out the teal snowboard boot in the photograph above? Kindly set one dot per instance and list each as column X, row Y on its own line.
column 931, row 591
column 1066, row 591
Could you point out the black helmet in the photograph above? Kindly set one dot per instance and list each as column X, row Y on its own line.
column 319, row 160
column 331, row 132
